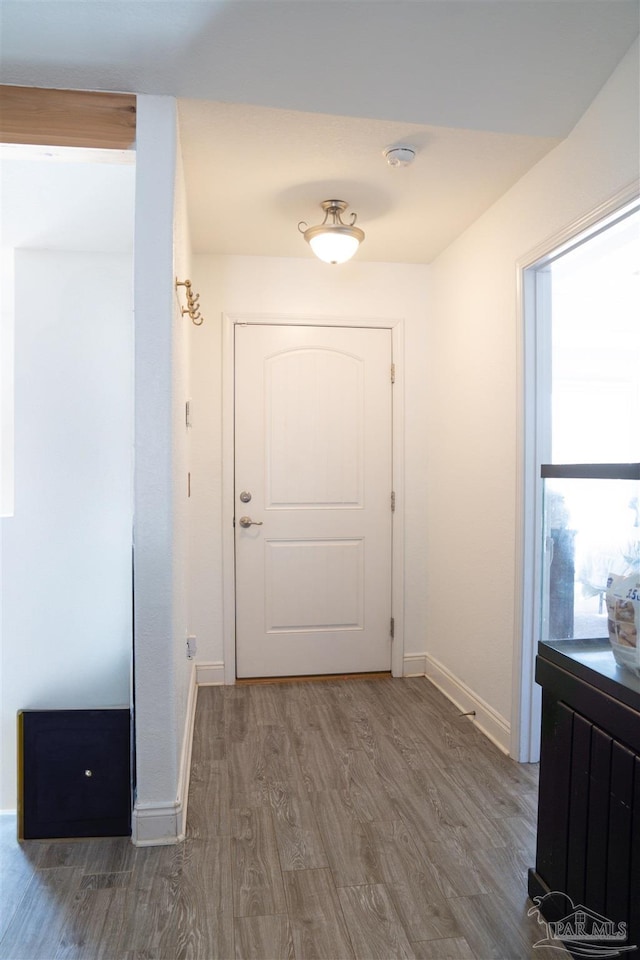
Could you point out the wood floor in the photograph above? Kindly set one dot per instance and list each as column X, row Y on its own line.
column 358, row 818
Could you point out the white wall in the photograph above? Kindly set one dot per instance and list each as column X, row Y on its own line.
column 66, row 552
column 471, row 423
column 180, row 388
column 162, row 672
column 7, row 318
column 305, row 288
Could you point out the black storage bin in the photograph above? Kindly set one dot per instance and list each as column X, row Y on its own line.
column 74, row 777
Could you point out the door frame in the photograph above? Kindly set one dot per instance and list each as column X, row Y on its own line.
column 533, row 413
column 229, row 322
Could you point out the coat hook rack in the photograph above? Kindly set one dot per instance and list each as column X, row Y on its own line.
column 192, row 307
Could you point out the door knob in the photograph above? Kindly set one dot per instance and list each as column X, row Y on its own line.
column 248, row 522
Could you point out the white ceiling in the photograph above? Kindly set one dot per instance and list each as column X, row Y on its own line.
column 285, row 103
column 254, row 172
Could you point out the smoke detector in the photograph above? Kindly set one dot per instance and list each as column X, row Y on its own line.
column 399, row 156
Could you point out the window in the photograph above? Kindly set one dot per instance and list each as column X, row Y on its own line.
column 595, row 347
column 581, row 364
column 589, row 402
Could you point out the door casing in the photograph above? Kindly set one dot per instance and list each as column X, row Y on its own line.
column 532, row 431
column 396, row 326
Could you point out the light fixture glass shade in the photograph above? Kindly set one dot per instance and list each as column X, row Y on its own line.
column 333, row 241
column 334, row 247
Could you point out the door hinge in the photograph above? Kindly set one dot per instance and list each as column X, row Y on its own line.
column 393, row 501
column 392, row 628
column 393, row 373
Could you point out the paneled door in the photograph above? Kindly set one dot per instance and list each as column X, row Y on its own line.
column 313, row 483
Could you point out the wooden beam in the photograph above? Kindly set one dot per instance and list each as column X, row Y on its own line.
column 67, row 118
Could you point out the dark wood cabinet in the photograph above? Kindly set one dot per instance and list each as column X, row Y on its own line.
column 588, row 846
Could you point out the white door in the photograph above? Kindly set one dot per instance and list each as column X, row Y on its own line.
column 313, row 471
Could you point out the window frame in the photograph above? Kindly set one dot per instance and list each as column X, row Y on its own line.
column 533, row 440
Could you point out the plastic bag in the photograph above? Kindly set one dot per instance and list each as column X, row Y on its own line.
column 623, row 610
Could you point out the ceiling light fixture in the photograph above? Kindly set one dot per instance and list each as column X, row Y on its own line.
column 333, row 241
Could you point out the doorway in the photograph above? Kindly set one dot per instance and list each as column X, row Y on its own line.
column 313, row 462
column 68, row 215
column 313, row 577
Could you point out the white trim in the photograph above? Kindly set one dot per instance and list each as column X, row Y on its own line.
column 398, row 516
column 489, row 721
column 609, row 208
column 414, row 665
column 185, row 753
column 210, row 674
column 396, row 326
column 526, row 711
column 533, row 416
column 228, row 539
column 155, row 824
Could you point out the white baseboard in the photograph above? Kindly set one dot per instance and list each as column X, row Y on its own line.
column 185, row 753
column 210, row 674
column 492, row 724
column 155, row 824
column 414, row 665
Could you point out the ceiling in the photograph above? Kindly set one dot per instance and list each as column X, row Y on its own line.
column 285, row 103
column 254, row 172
